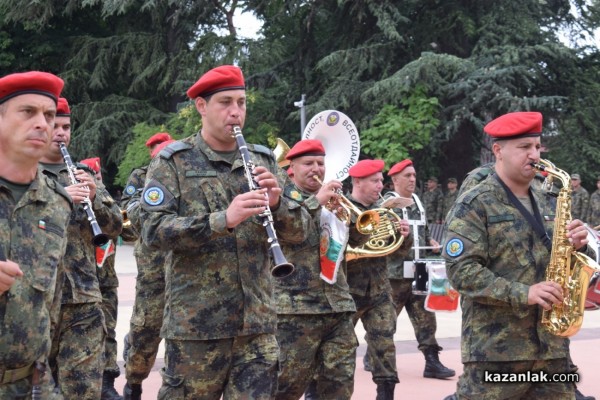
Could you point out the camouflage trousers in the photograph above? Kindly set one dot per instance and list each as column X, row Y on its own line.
column 109, row 283
column 244, row 367
column 471, row 385
column 77, row 355
column 319, row 345
column 147, row 317
column 423, row 321
column 21, row 389
column 379, row 320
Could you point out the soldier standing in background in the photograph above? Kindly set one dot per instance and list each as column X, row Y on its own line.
column 500, row 300
column 449, row 197
column 580, row 198
column 433, row 200
column 77, row 356
column 143, row 339
column 34, row 214
column 370, row 286
column 109, row 284
column 593, row 217
column 220, row 319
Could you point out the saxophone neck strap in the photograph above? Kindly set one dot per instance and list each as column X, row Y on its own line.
column 534, row 220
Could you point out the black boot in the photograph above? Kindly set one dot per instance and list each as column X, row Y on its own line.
column 108, row 387
column 385, row 390
column 451, row 397
column 433, row 367
column 132, row 391
column 581, row 396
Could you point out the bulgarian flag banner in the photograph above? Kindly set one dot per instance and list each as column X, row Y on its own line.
column 334, row 237
column 103, row 252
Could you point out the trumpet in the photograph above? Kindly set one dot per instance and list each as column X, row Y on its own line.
column 100, row 239
column 366, row 221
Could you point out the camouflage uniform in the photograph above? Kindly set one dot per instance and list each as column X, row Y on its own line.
column 486, row 236
column 33, row 234
column 147, row 317
column 423, row 321
column 314, row 329
column 109, row 284
column 371, row 291
column 449, row 199
column 77, row 355
column 433, row 202
column 593, row 217
column 580, row 199
column 220, row 318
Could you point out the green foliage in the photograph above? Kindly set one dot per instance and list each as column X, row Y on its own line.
column 396, row 132
column 180, row 125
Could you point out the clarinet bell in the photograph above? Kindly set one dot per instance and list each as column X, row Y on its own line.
column 282, row 270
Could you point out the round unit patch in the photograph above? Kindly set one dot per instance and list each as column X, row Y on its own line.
column 454, row 247
column 130, row 190
column 296, row 195
column 154, row 196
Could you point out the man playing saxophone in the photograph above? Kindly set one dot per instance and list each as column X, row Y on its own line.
column 497, row 251
column 220, row 319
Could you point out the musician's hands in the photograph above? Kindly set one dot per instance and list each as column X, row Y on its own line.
column 545, row 294
column 436, row 246
column 328, row 191
column 89, row 180
column 403, row 227
column 78, row 192
column 577, row 233
column 266, row 180
column 9, row 271
column 244, row 206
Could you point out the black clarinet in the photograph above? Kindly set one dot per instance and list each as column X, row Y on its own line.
column 100, row 239
column 282, row 267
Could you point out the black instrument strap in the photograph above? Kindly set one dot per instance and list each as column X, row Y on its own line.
column 534, row 220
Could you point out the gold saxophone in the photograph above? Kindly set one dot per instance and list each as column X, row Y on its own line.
column 570, row 269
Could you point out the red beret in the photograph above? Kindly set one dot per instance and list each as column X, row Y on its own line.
column 93, row 163
column 399, row 167
column 62, row 108
column 160, row 146
column 158, row 138
column 365, row 168
column 33, row 82
column 514, row 125
column 225, row 77
column 306, row 147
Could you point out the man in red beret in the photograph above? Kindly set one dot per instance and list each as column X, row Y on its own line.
column 497, row 248
column 400, row 267
column 370, row 287
column 315, row 299
column 143, row 339
column 77, row 355
column 34, row 213
column 220, row 318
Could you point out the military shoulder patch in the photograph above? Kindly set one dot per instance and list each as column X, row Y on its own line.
column 454, row 247
column 154, row 196
column 130, row 190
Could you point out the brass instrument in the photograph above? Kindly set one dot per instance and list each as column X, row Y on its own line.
column 570, row 269
column 280, row 151
column 126, row 221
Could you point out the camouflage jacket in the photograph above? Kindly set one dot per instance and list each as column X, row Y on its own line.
column 449, row 199
column 367, row 276
column 580, row 199
column 304, row 292
column 218, row 281
column 81, row 281
column 492, row 258
column 593, row 217
column 433, row 201
column 33, row 234
column 130, row 202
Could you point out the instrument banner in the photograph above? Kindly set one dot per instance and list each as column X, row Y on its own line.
column 103, row 252
column 592, row 300
column 334, row 237
column 441, row 296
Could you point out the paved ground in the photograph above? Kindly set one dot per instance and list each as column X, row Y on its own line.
column 584, row 348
